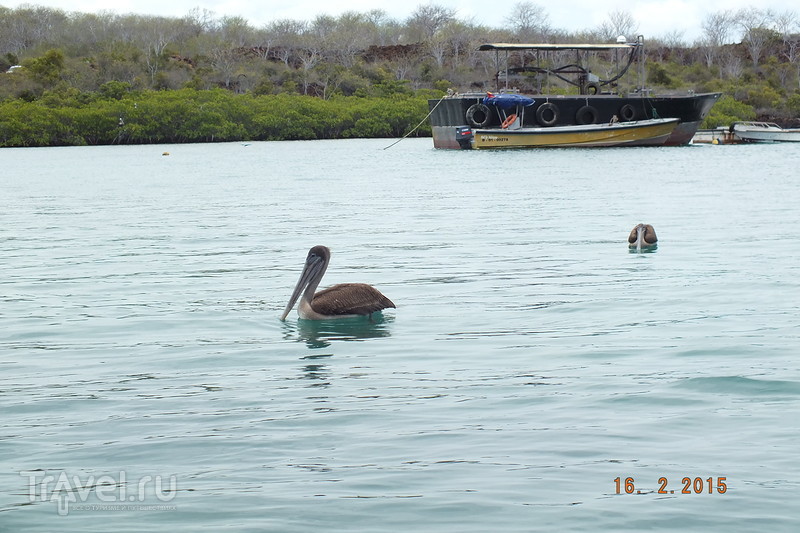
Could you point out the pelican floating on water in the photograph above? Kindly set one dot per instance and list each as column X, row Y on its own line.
column 339, row 301
column 642, row 236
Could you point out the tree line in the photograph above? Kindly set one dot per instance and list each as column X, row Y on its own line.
column 88, row 61
column 115, row 115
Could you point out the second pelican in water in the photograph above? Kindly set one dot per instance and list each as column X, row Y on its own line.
column 642, row 236
column 339, row 301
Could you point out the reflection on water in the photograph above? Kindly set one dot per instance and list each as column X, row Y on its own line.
column 321, row 333
column 647, row 250
column 318, row 374
column 315, row 371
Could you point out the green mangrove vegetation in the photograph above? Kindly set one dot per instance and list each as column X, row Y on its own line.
column 71, row 117
column 69, row 78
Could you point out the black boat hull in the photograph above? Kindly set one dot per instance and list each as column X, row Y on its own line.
column 450, row 113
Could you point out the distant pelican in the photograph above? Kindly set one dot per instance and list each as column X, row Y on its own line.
column 339, row 301
column 642, row 236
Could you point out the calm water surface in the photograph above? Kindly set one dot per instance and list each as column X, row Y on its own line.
column 146, row 382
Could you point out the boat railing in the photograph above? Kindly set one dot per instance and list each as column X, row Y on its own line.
column 572, row 72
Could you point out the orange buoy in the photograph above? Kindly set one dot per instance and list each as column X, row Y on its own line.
column 509, row 121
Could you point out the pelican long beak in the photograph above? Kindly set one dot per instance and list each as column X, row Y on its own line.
column 639, row 237
column 313, row 270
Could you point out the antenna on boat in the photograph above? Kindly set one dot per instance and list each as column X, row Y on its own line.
column 640, row 51
column 620, row 40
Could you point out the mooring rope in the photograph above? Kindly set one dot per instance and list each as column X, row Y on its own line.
column 418, row 125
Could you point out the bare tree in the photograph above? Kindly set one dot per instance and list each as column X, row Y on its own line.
column 224, row 62
column 731, row 64
column 286, row 34
column 201, row 20
column 263, row 41
column 382, row 29
column 153, row 35
column 235, row 31
column 94, row 30
column 321, row 30
column 329, row 77
column 426, row 20
column 462, row 38
column 756, row 33
column 716, row 32
column 788, row 25
column 438, row 47
column 29, row 26
column 529, row 21
column 311, row 49
column 674, row 41
column 352, row 34
column 619, row 22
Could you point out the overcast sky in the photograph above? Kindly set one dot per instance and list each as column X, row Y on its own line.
column 655, row 17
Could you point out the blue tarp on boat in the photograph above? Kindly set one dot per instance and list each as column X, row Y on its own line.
column 507, row 101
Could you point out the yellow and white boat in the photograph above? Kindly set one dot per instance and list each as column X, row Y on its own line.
column 652, row 132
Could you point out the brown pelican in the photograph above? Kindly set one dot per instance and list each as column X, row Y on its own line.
column 339, row 301
column 642, row 236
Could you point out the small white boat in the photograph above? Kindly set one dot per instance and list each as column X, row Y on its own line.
column 764, row 132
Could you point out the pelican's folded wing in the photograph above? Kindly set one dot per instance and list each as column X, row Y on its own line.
column 350, row 299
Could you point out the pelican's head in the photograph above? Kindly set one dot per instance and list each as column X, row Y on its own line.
column 315, row 267
column 642, row 236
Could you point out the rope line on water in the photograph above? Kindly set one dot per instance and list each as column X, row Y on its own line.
column 418, row 125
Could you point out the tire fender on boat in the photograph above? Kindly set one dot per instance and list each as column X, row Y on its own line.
column 586, row 115
column 478, row 115
column 509, row 121
column 593, row 88
column 547, row 114
column 627, row 112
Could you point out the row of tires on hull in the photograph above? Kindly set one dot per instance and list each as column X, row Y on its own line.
column 547, row 114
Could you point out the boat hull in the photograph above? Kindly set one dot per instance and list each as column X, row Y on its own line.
column 763, row 137
column 764, row 132
column 641, row 133
column 450, row 113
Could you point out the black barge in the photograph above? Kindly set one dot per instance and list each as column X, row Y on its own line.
column 597, row 101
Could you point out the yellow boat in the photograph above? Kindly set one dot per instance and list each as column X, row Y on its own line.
column 652, row 132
